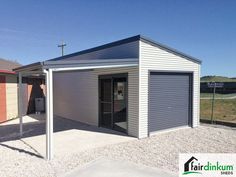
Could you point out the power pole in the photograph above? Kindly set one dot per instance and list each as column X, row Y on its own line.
column 62, row 45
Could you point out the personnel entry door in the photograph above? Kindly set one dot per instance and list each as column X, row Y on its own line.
column 113, row 102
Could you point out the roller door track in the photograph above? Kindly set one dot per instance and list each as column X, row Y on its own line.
column 170, row 100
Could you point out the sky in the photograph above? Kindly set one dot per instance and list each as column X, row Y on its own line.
column 206, row 29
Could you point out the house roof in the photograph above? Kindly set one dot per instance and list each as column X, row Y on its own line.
column 117, row 43
column 7, row 72
column 7, row 66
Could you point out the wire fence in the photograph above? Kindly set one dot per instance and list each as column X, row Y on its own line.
column 218, row 107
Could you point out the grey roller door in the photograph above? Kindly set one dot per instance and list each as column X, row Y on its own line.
column 169, row 100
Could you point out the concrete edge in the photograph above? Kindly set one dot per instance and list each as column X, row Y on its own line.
column 82, row 166
column 97, row 160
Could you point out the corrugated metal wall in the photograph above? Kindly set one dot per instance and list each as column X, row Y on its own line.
column 132, row 95
column 76, row 93
column 76, row 96
column 154, row 58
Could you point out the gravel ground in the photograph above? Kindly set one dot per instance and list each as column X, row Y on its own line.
column 158, row 151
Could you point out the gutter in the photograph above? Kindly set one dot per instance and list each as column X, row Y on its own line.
column 99, row 63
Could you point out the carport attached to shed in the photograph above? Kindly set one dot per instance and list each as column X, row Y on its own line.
column 151, row 70
column 51, row 68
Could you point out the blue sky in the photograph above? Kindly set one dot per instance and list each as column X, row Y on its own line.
column 30, row 30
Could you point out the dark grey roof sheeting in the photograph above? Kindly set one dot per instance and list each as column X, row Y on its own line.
column 128, row 40
column 116, row 43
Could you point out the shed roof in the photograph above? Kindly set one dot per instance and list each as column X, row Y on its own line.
column 128, row 40
column 116, row 43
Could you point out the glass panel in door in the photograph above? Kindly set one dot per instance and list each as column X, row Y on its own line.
column 119, row 104
column 106, row 103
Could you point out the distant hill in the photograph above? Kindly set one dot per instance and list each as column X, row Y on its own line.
column 217, row 79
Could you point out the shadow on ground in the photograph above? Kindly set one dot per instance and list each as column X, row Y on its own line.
column 35, row 153
column 35, row 125
column 11, row 131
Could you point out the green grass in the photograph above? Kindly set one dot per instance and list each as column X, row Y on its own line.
column 217, row 79
column 217, row 95
column 224, row 109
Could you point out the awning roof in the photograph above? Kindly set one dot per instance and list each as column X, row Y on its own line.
column 64, row 65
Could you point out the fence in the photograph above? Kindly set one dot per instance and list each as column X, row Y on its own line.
column 223, row 107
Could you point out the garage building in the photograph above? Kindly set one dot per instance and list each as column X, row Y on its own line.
column 134, row 85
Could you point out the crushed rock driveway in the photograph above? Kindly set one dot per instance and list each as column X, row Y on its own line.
column 17, row 159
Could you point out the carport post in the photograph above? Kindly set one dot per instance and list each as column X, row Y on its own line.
column 49, row 113
column 20, row 102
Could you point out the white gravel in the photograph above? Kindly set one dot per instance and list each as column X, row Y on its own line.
column 160, row 151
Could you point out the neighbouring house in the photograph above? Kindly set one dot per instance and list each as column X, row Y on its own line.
column 134, row 85
column 8, row 90
column 32, row 88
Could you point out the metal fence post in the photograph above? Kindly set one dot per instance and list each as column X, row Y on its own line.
column 212, row 104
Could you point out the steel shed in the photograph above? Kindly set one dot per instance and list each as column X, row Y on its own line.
column 134, row 85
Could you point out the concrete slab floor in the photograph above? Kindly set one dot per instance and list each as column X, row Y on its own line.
column 114, row 168
column 69, row 136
